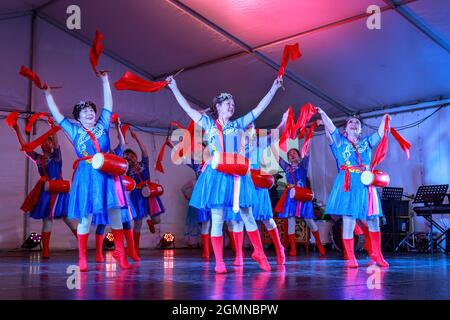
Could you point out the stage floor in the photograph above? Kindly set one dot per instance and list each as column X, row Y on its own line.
column 182, row 274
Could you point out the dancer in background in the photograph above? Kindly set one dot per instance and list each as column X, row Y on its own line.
column 349, row 197
column 128, row 213
column 219, row 191
column 151, row 207
column 94, row 196
column 296, row 170
column 40, row 203
column 262, row 209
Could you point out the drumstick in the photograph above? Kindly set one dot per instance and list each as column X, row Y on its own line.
column 180, row 71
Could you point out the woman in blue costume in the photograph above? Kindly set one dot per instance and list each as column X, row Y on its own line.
column 128, row 213
column 215, row 190
column 262, row 208
column 195, row 216
column 94, row 197
column 49, row 206
column 150, row 208
column 350, row 197
column 296, row 170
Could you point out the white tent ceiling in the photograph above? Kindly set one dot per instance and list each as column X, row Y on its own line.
column 235, row 46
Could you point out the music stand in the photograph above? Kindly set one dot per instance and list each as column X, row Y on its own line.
column 391, row 197
column 392, row 194
column 431, row 196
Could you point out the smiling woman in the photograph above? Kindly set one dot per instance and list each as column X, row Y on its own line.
column 236, row 202
column 89, row 139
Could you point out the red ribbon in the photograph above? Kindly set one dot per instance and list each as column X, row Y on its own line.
column 306, row 113
column 287, row 133
column 292, row 127
column 280, row 204
column 114, row 118
column 33, row 119
column 130, row 81
column 290, row 52
column 380, row 152
column 96, row 50
column 33, row 197
column 405, row 145
column 27, row 73
column 124, row 130
column 158, row 165
column 11, row 119
column 38, row 141
column 306, row 144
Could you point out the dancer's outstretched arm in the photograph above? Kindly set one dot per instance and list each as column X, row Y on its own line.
column 262, row 105
column 54, row 110
column 191, row 112
column 107, row 95
column 141, row 145
column 329, row 125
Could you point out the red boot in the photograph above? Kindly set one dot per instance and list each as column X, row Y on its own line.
column 238, row 241
column 319, row 243
column 217, row 244
column 119, row 252
column 131, row 251
column 137, row 240
column 349, row 247
column 368, row 242
column 281, row 258
column 82, row 251
column 98, row 248
column 375, row 239
column 46, row 245
column 74, row 232
column 343, row 249
column 205, row 245
column 258, row 253
column 151, row 225
column 292, row 244
column 230, row 236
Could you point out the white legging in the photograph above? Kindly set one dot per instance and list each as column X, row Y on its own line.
column 310, row 222
column 48, row 223
column 269, row 224
column 206, row 226
column 217, row 221
column 348, row 226
column 115, row 219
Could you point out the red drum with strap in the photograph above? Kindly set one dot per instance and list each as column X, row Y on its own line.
column 230, row 163
column 57, row 186
column 128, row 183
column 109, row 163
column 105, row 162
column 152, row 190
column 262, row 180
column 375, row 178
column 301, row 194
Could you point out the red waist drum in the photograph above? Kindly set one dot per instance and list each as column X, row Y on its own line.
column 262, row 180
column 109, row 164
column 301, row 194
column 57, row 186
column 152, row 190
column 128, row 183
column 375, row 178
column 230, row 163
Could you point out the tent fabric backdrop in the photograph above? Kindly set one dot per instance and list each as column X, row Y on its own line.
column 229, row 46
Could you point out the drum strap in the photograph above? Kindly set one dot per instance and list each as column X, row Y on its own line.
column 93, row 138
column 43, row 158
column 96, row 146
column 348, row 168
